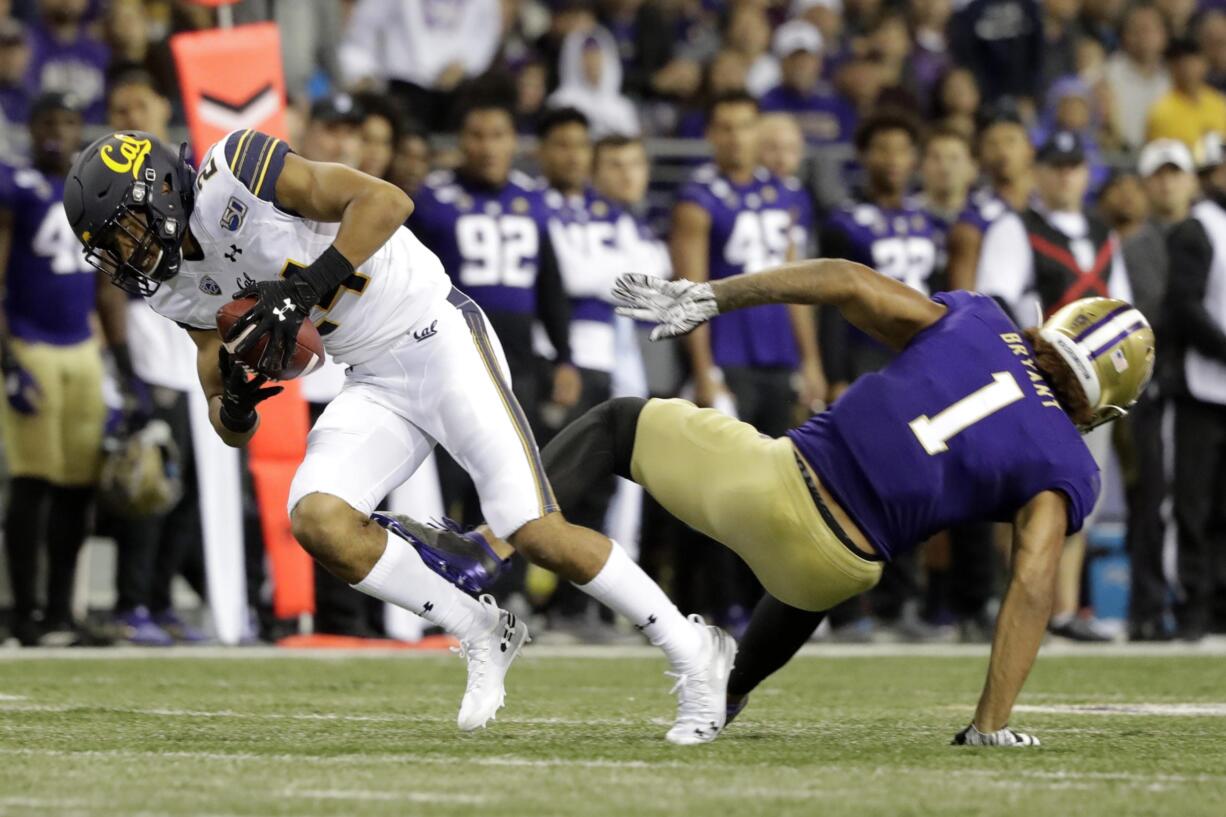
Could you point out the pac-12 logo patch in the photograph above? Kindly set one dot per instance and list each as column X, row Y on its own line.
column 233, row 216
column 209, row 287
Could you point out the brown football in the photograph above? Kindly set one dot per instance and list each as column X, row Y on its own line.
column 308, row 354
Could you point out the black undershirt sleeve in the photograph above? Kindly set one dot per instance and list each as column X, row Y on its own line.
column 552, row 305
column 832, row 326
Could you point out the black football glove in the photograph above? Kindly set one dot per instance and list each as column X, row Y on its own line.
column 137, row 398
column 20, row 387
column 280, row 308
column 241, row 394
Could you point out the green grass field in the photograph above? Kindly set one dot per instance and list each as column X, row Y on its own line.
column 855, row 733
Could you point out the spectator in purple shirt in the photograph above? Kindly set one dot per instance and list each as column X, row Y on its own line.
column 930, row 58
column 66, row 58
column 823, row 117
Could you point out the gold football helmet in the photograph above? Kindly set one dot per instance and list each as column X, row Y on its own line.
column 141, row 474
column 1109, row 345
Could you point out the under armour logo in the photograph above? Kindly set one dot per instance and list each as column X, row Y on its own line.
column 427, row 607
column 234, row 253
column 429, row 332
column 282, row 311
column 650, row 620
column 508, row 630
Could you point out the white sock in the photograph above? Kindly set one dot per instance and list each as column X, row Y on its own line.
column 401, row 578
column 623, row 586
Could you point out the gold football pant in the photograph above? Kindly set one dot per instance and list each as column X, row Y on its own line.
column 724, row 479
column 62, row 441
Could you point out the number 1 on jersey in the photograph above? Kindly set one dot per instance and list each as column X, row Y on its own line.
column 936, row 431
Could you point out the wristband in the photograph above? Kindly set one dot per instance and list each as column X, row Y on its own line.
column 327, row 272
column 123, row 362
column 239, row 425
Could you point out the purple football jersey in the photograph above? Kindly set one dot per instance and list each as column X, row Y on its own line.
column 825, row 118
column 584, row 234
column 752, row 228
column 489, row 239
column 50, row 287
column 923, row 445
column 899, row 242
column 982, row 209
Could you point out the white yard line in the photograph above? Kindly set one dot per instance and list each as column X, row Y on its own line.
column 386, row 796
column 403, row 759
column 300, row 716
column 1205, row 709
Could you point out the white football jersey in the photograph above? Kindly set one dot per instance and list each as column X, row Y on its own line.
column 246, row 238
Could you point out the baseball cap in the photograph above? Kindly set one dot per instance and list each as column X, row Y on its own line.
column 1162, row 152
column 796, row 35
column 338, row 108
column 11, row 32
column 1062, row 148
column 799, row 7
column 54, row 101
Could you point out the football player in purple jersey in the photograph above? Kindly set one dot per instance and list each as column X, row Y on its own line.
column 916, row 448
column 734, row 216
column 50, row 358
column 880, row 228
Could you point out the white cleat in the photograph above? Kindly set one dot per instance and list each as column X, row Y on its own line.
column 489, row 656
column 701, row 710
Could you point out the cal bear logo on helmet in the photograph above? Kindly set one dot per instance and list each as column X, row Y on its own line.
column 133, row 151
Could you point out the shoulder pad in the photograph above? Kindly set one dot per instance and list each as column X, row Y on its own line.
column 865, row 214
column 705, row 174
column 522, row 179
column 438, row 178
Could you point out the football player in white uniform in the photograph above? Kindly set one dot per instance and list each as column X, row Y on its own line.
column 325, row 242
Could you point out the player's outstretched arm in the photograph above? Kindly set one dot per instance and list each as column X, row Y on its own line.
column 231, row 393
column 882, row 307
column 1038, row 536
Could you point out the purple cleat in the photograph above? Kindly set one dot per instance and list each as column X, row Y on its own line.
column 463, row 558
column 179, row 630
column 137, row 627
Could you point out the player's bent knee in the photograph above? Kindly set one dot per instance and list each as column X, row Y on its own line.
column 541, row 540
column 322, row 524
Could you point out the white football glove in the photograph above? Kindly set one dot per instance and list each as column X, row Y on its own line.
column 970, row 736
column 677, row 306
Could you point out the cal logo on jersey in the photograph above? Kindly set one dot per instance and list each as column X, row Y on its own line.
column 232, row 217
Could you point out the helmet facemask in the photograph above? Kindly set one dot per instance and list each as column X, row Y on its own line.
column 138, row 245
